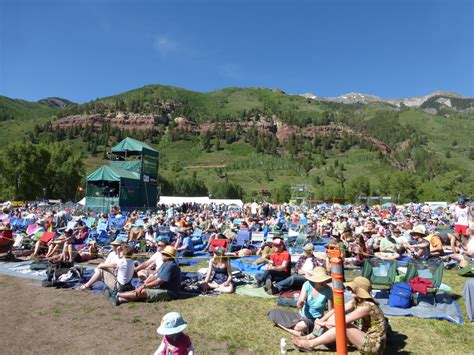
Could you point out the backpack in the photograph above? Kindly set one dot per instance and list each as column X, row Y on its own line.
column 400, row 295
column 62, row 275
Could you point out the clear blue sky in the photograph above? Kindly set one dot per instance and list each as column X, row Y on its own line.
column 81, row 50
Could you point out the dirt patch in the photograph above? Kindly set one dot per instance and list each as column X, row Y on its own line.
column 63, row 321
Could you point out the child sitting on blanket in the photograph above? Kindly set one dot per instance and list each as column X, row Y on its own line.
column 174, row 340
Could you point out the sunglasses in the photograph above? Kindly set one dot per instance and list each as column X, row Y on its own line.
column 161, row 245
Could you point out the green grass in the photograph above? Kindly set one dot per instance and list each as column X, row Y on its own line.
column 240, row 322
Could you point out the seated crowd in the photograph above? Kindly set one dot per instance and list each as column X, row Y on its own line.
column 170, row 234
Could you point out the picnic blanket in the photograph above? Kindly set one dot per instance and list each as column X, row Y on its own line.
column 445, row 307
column 249, row 290
column 244, row 265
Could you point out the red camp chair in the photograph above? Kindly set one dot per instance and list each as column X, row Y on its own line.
column 218, row 243
column 6, row 245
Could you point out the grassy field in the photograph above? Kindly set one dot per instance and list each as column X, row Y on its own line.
column 73, row 322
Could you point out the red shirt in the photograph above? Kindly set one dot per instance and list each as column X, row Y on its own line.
column 279, row 258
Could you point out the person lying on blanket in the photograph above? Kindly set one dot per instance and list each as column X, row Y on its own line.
column 369, row 336
column 313, row 300
column 165, row 286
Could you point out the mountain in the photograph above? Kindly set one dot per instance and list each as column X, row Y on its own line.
column 264, row 138
column 55, row 102
column 431, row 103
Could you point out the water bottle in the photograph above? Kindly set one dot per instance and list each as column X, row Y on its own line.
column 283, row 346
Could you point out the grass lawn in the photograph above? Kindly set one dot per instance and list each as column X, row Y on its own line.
column 241, row 322
column 72, row 322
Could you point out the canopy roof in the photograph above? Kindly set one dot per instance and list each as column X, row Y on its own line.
column 108, row 173
column 131, row 145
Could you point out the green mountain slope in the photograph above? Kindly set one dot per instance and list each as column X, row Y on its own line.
column 265, row 139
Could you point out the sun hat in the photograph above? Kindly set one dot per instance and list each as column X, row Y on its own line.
column 169, row 251
column 117, row 241
column 278, row 242
column 171, row 323
column 308, row 247
column 361, row 287
column 319, row 275
column 419, row 230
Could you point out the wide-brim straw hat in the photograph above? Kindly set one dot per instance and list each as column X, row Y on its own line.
column 319, row 275
column 419, row 230
column 169, row 251
column 361, row 287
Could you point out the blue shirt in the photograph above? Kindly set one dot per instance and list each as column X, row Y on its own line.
column 315, row 306
column 170, row 273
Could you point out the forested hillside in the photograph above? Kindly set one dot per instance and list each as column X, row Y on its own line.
column 235, row 142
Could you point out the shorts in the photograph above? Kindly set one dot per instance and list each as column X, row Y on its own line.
column 372, row 345
column 108, row 277
column 158, row 295
column 460, row 229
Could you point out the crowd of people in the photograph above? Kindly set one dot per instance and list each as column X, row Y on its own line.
column 416, row 231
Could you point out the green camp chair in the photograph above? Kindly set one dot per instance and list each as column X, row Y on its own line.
column 300, row 240
column 431, row 269
column 381, row 273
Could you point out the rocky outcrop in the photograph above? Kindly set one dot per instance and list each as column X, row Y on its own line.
column 122, row 120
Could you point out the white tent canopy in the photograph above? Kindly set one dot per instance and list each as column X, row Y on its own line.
column 82, row 202
column 227, row 202
column 168, row 200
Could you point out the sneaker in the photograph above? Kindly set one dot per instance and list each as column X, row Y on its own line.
column 268, row 284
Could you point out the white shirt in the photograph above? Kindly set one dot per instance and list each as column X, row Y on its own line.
column 112, row 258
column 125, row 269
column 461, row 215
column 157, row 259
column 308, row 265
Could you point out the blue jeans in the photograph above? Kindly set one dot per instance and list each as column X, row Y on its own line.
column 294, row 282
column 272, row 274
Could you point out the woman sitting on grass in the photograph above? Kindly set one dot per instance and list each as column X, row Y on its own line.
column 219, row 273
column 314, row 298
column 369, row 336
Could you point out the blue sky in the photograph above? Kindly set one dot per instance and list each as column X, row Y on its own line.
column 81, row 50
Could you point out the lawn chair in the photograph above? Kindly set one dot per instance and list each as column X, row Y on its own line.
column 6, row 245
column 381, row 273
column 224, row 243
column 257, row 238
column 431, row 269
column 300, row 240
column 243, row 238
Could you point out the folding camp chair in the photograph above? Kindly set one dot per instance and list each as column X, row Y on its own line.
column 243, row 237
column 6, row 245
column 300, row 240
column 257, row 238
column 381, row 273
column 431, row 269
column 218, row 243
